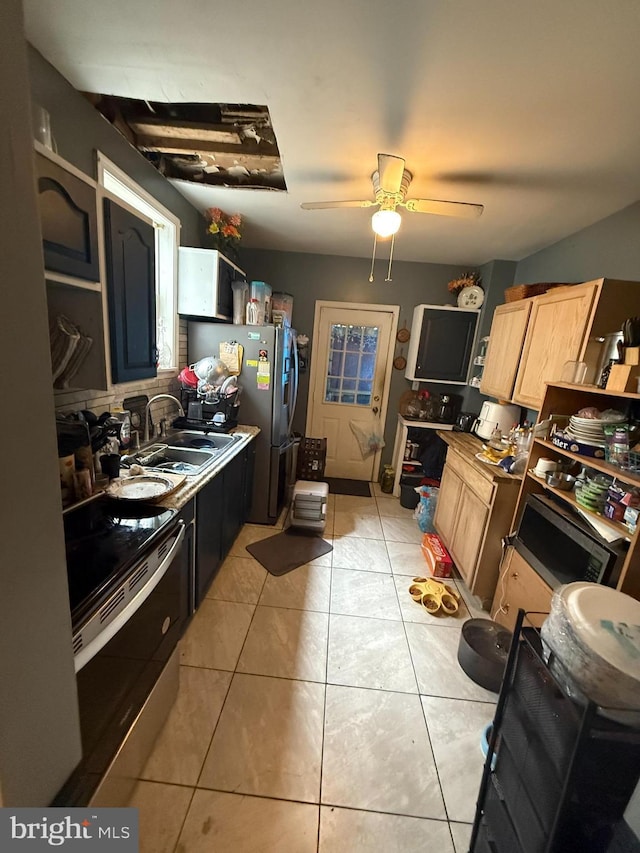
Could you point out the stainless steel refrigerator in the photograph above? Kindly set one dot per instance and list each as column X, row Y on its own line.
column 269, row 382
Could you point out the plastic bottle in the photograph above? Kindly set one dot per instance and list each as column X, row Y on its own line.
column 253, row 312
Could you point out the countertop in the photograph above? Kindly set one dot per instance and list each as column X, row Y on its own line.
column 193, row 484
column 467, row 446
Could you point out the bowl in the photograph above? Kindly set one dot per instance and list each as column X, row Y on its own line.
column 557, row 480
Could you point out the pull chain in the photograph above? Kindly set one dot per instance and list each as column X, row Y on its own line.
column 393, row 240
column 375, row 241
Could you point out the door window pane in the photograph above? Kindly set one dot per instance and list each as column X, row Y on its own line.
column 351, row 364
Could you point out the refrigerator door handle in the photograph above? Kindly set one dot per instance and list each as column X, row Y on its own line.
column 296, row 379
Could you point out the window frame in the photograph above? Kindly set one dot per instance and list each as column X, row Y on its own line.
column 161, row 217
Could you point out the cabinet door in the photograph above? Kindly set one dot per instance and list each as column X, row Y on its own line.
column 247, row 483
column 209, row 508
column 68, row 219
column 131, row 294
column 505, row 347
column 471, row 522
column 447, row 506
column 442, row 344
column 519, row 586
column 556, row 331
column 233, row 503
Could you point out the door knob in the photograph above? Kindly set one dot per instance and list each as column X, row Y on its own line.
column 375, row 410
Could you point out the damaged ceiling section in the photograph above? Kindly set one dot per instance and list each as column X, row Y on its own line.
column 230, row 145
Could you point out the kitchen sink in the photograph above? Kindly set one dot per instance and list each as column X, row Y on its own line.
column 199, row 441
column 183, row 452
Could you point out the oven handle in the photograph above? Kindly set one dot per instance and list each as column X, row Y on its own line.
column 91, row 649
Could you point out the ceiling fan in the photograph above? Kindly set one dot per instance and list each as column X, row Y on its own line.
column 390, row 185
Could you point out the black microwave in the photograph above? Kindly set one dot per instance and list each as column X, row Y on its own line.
column 562, row 547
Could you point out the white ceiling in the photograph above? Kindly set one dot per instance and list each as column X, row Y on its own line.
column 530, row 108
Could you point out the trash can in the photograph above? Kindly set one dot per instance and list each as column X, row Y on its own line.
column 409, row 498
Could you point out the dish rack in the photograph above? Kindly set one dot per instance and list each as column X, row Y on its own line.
column 218, row 414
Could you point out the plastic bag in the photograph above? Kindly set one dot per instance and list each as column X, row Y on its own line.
column 368, row 436
column 426, row 508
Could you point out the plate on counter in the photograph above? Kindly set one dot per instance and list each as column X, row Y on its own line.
column 146, row 487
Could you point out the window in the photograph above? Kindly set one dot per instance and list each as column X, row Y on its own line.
column 167, row 233
column 351, row 364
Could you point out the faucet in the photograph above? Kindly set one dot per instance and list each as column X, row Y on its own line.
column 148, row 407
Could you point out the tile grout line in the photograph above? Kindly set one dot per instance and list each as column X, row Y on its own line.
column 233, row 674
column 324, row 706
column 415, row 675
column 326, row 805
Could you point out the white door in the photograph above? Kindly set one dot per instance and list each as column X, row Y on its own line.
column 350, row 373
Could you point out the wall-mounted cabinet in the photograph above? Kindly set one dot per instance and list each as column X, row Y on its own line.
column 68, row 219
column 442, row 343
column 502, row 358
column 204, row 283
column 532, row 339
column 70, row 231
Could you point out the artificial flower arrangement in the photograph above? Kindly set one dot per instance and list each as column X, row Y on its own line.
column 225, row 229
column 467, row 279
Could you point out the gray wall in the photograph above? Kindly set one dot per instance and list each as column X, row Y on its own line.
column 609, row 248
column 79, row 129
column 39, row 729
column 311, row 277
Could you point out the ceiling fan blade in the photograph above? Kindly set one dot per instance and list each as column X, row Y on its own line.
column 322, row 205
column 444, row 208
column 390, row 171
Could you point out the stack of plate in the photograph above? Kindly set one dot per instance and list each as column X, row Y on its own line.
column 594, row 634
column 588, row 430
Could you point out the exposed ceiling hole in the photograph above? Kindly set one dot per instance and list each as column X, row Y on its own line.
column 230, row 145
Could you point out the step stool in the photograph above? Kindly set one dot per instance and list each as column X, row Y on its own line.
column 309, row 505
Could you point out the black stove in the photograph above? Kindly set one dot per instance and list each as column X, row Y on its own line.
column 104, row 538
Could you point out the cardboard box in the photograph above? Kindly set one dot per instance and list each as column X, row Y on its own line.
column 439, row 562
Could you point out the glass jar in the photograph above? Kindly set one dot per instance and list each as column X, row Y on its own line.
column 387, row 479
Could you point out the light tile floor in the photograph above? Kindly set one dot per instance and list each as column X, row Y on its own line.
column 323, row 710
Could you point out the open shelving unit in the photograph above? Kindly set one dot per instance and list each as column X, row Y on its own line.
column 82, row 300
column 566, row 399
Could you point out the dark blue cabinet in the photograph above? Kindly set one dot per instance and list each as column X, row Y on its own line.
column 131, row 293
column 68, row 219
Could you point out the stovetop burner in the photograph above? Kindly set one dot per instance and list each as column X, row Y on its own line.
column 103, row 539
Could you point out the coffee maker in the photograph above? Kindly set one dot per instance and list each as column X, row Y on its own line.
column 446, row 408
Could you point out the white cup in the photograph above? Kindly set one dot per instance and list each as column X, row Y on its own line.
column 545, row 466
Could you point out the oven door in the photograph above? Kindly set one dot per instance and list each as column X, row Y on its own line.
column 120, row 665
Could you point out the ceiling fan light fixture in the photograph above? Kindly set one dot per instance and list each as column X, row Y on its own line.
column 386, row 222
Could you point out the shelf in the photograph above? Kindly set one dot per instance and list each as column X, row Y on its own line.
column 64, row 164
column 594, row 389
column 591, row 462
column 619, row 529
column 71, row 281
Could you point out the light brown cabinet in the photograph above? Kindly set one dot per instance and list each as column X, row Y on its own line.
column 519, row 586
column 474, row 512
column 532, row 339
column 557, row 328
column 506, row 339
